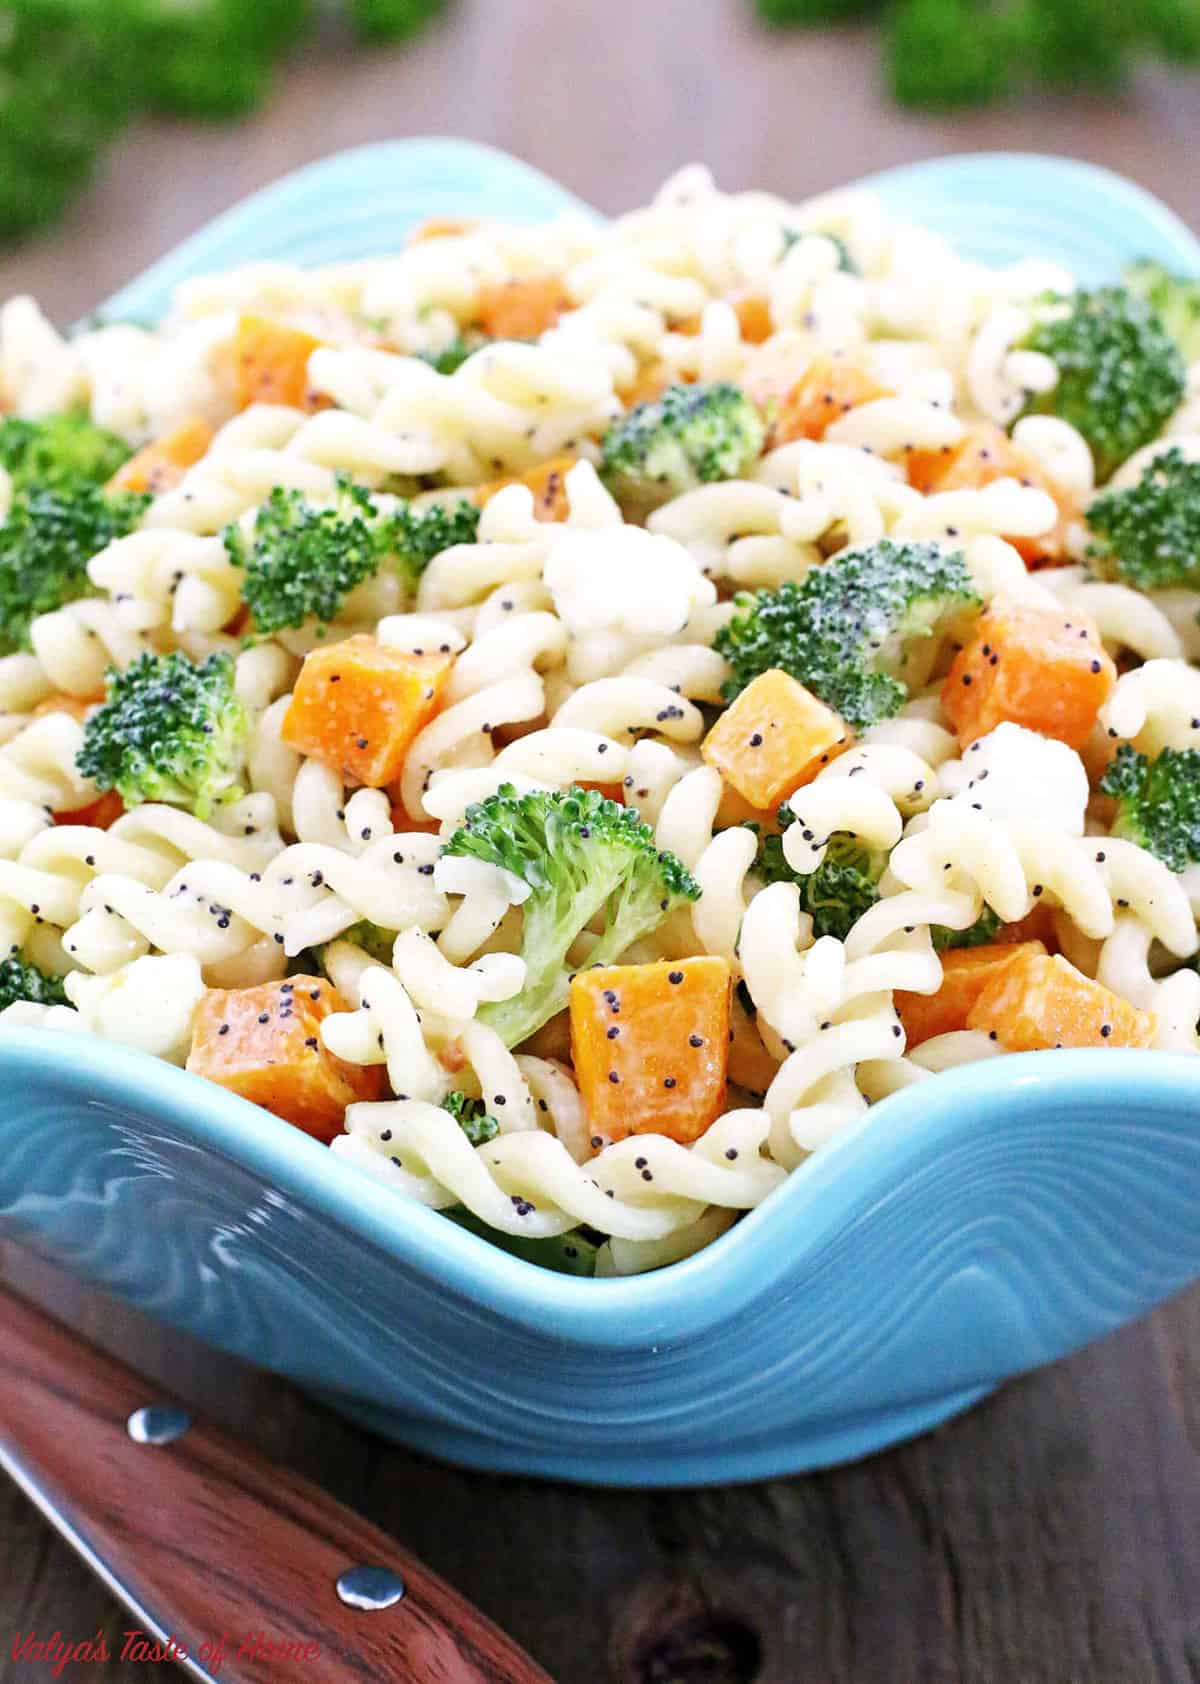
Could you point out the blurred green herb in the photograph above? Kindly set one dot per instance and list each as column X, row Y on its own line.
column 74, row 73
column 942, row 54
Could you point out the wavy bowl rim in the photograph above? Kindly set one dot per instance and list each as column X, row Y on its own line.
column 856, row 1170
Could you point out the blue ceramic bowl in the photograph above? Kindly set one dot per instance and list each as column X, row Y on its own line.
column 968, row 1229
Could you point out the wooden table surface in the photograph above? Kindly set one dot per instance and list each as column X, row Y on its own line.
column 1052, row 1536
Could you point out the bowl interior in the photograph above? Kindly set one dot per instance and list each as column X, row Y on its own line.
column 359, row 204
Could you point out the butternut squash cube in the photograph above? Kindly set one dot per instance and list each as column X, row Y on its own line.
column 966, row 972
column 522, row 308
column 265, row 1044
column 774, row 737
column 547, row 481
column 650, row 1045
column 358, row 705
column 269, row 364
column 1044, row 668
column 1038, row 1002
column 827, row 390
column 984, row 455
column 163, row 462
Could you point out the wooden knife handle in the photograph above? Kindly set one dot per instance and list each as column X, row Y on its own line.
column 213, row 1544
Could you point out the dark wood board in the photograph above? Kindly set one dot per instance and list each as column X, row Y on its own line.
column 1052, row 1536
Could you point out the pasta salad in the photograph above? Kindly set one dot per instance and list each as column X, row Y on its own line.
column 570, row 716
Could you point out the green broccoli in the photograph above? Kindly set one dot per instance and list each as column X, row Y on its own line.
column 373, row 939
column 839, row 891
column 1158, row 802
column 815, row 11
column 944, row 54
column 580, row 855
column 472, row 1117
column 689, row 436
column 847, row 631
column 168, row 731
column 58, row 453
column 417, row 535
column 211, row 58
column 451, row 356
column 20, row 979
column 791, row 236
column 392, row 20
column 845, row 885
column 301, row 562
column 1175, row 300
column 977, row 934
column 65, row 58
column 1149, row 534
column 1120, row 375
column 572, row 1253
column 45, row 546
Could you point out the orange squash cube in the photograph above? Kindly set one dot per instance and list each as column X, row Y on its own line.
column 547, row 481
column 983, row 455
column 1038, row 1002
column 268, row 363
column 1037, row 925
column 162, row 463
column 77, row 706
column 650, row 1046
column 828, row 388
column 521, row 308
column 359, row 704
column 265, row 1044
column 649, row 383
column 753, row 312
column 99, row 814
column 966, row 972
column 1044, row 668
column 774, row 737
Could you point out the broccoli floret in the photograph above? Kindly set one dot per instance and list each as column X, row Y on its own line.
column 580, row 855
column 846, row 632
column 58, row 453
column 573, row 1253
column 213, row 58
column 45, row 546
column 845, row 885
column 417, row 535
column 451, row 356
column 1158, row 802
column 839, row 891
column 1120, row 374
column 688, row 437
column 168, row 731
column 977, row 934
column 472, row 1117
column 944, row 54
column 20, row 979
column 72, row 60
column 301, row 562
column 791, row 236
column 814, row 11
column 1149, row 533
column 373, row 939
column 1175, row 300
column 392, row 20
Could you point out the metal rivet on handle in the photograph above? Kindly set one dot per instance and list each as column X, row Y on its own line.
column 158, row 1423
column 370, row 1588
